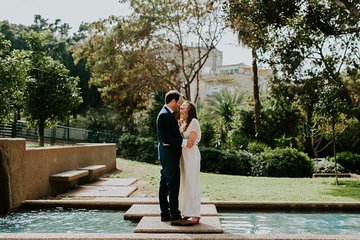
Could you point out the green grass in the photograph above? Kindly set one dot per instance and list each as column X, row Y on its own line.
column 228, row 187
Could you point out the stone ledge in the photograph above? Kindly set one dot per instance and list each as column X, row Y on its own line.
column 100, row 191
column 68, row 176
column 95, row 171
column 137, row 211
column 154, row 225
column 288, row 205
column 144, row 236
column 340, row 175
column 113, row 182
column 112, row 202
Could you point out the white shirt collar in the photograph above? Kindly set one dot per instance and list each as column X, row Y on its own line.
column 171, row 111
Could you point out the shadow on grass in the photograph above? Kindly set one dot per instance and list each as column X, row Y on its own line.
column 347, row 188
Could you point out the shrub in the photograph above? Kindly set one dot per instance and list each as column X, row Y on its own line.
column 350, row 161
column 282, row 162
column 138, row 148
column 217, row 161
column 256, row 147
column 207, row 134
column 328, row 166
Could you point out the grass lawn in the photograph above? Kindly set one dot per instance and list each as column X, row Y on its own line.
column 228, row 187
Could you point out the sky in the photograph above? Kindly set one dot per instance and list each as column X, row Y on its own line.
column 76, row 11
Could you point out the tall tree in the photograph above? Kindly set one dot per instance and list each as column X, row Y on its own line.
column 334, row 101
column 317, row 46
column 14, row 65
column 161, row 45
column 252, row 21
column 51, row 94
column 185, row 33
column 58, row 45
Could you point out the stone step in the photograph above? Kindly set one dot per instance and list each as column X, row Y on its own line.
column 137, row 211
column 68, row 176
column 209, row 224
column 95, row 171
column 113, row 182
column 100, row 191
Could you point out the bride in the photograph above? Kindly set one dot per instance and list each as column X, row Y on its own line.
column 189, row 195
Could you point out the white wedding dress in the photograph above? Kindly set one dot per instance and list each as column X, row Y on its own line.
column 190, row 193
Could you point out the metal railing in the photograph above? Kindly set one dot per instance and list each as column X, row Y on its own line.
column 58, row 133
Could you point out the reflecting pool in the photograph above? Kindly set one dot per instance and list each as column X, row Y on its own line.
column 68, row 220
column 64, row 220
column 290, row 223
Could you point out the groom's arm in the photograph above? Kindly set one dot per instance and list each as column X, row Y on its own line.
column 164, row 127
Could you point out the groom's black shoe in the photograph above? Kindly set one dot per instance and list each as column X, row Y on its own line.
column 165, row 219
column 181, row 222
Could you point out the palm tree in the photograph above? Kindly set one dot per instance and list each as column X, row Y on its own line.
column 224, row 105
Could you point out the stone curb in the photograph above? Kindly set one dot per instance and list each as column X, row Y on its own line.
column 134, row 236
column 238, row 205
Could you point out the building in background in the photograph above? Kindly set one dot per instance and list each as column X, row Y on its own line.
column 238, row 77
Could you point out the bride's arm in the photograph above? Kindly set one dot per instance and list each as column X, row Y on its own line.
column 192, row 138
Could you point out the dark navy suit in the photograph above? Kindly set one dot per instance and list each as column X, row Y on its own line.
column 169, row 156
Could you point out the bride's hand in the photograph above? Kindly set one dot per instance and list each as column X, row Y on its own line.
column 190, row 143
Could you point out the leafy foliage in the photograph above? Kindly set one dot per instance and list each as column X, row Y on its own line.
column 14, row 65
column 139, row 148
column 217, row 161
column 223, row 105
column 282, row 162
column 51, row 94
column 328, row 166
column 350, row 161
column 256, row 147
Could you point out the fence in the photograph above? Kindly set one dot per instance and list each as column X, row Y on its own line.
column 58, row 133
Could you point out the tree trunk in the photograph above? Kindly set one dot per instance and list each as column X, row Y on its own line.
column 41, row 132
column 334, row 151
column 257, row 105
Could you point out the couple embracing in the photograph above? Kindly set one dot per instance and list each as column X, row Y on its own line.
column 179, row 155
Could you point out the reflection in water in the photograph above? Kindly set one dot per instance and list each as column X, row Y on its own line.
column 62, row 220
column 291, row 223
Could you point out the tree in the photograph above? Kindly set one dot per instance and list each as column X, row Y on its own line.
column 320, row 42
column 161, row 45
column 58, row 44
column 186, row 31
column 224, row 105
column 51, row 94
column 14, row 65
column 252, row 21
column 333, row 102
column 317, row 46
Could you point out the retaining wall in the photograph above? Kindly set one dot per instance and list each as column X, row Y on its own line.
column 24, row 173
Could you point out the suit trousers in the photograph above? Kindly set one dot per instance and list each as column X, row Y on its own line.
column 169, row 187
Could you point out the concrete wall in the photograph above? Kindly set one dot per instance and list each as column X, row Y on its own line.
column 27, row 171
column 12, row 152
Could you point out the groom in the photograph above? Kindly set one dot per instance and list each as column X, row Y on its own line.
column 170, row 143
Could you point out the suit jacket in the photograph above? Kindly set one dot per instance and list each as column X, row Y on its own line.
column 168, row 133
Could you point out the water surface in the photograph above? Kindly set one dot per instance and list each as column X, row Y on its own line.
column 290, row 223
column 61, row 220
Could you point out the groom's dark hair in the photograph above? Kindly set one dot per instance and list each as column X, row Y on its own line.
column 172, row 94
